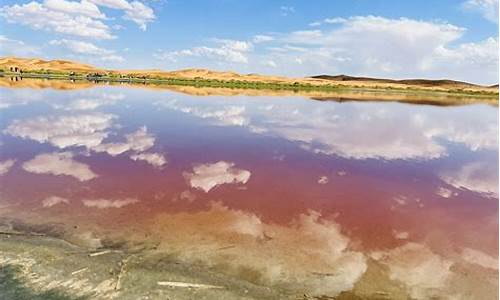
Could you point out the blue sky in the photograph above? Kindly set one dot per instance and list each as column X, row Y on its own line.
column 397, row 39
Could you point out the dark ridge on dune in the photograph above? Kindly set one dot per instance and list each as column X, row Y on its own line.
column 422, row 82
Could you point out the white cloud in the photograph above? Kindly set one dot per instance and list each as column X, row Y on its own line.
column 225, row 50
column 262, row 38
column 54, row 200
column 287, row 10
column 87, row 48
column 208, row 176
column 227, row 115
column 116, row 4
column 323, row 180
column 107, row 203
column 139, row 14
column 16, row 47
column 384, row 47
column 84, row 8
column 479, row 59
column 336, row 20
column 90, row 103
column 477, row 176
column 59, row 164
column 154, row 159
column 304, row 37
column 39, row 17
column 135, row 11
column 83, row 18
column 349, row 134
column 444, row 192
column 488, row 8
column 315, row 24
column 270, row 63
column 86, row 130
column 81, row 47
column 5, row 166
column 138, row 141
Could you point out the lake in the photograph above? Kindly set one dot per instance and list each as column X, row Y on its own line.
column 302, row 196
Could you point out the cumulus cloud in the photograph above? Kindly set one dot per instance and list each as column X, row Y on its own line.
column 87, row 48
column 139, row 14
column 83, row 18
column 107, row 203
column 488, row 8
column 135, row 11
column 39, row 17
column 54, row 200
column 477, row 176
column 86, row 130
column 84, row 8
column 207, row 176
column 138, row 141
column 59, row 164
column 358, row 45
column 385, row 47
column 233, row 51
column 5, row 166
column 154, row 159
column 16, row 47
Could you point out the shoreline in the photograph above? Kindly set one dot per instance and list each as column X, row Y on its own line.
column 205, row 87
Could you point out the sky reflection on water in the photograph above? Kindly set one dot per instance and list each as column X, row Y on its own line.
column 347, row 186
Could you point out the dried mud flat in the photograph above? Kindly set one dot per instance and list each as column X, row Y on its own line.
column 39, row 267
column 35, row 265
column 45, row 262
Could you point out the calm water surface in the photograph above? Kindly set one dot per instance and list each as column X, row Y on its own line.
column 315, row 196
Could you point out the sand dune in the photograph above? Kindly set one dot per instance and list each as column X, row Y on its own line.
column 39, row 64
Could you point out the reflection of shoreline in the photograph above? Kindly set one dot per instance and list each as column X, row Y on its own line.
column 340, row 95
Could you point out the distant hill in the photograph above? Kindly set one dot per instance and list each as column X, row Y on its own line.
column 419, row 82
